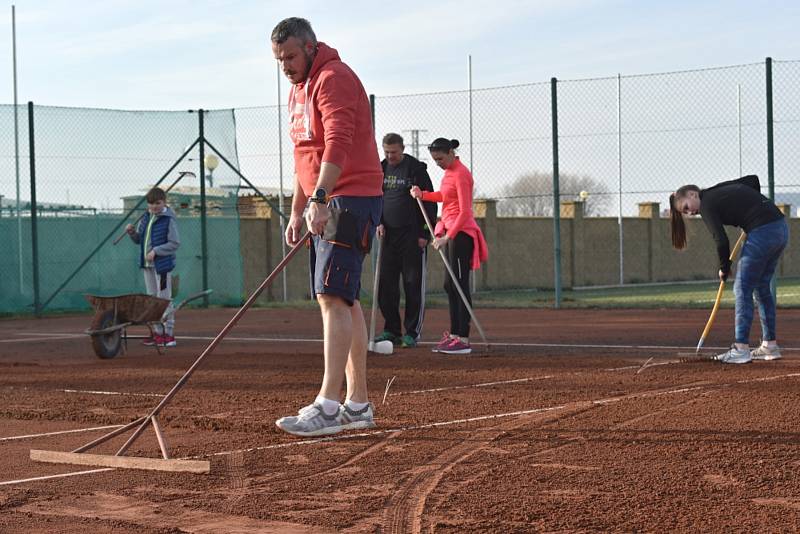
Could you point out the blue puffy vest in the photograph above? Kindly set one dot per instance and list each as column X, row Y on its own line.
column 158, row 236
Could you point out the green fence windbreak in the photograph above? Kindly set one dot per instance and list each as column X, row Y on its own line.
column 625, row 142
column 92, row 167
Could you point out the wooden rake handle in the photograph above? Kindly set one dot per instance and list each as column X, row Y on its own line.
column 375, row 287
column 735, row 252
column 145, row 421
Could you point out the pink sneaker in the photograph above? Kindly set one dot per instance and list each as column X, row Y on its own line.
column 446, row 339
column 150, row 341
column 456, row 346
column 167, row 341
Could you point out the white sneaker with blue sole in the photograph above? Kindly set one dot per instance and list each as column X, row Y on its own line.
column 766, row 353
column 735, row 356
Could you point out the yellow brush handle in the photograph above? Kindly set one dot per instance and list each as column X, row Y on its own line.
column 735, row 252
column 713, row 311
column 738, row 246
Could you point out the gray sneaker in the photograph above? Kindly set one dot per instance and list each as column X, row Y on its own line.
column 293, row 418
column 766, row 353
column 351, row 419
column 734, row 356
column 311, row 421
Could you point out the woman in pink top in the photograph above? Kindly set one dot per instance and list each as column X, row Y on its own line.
column 461, row 236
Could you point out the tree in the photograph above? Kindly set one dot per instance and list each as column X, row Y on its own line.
column 531, row 195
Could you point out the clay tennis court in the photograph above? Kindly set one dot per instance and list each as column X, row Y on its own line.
column 559, row 427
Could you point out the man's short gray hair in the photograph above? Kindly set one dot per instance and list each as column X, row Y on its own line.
column 294, row 27
column 392, row 139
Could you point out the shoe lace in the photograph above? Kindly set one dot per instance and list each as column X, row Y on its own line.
column 309, row 412
column 306, row 409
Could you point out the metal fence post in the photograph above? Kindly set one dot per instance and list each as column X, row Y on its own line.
column 773, row 285
column 281, row 220
column 372, row 110
column 203, row 229
column 16, row 149
column 556, row 195
column 34, row 229
column 473, row 279
column 619, row 178
column 770, row 139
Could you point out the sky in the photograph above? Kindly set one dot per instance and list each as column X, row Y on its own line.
column 215, row 54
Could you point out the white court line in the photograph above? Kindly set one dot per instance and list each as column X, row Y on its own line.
column 90, row 392
column 467, row 386
column 767, row 378
column 399, row 393
column 41, row 338
column 13, row 438
column 486, row 417
column 491, row 343
column 50, row 477
column 495, row 343
column 50, row 334
column 517, row 380
column 425, row 426
column 380, row 432
column 270, row 339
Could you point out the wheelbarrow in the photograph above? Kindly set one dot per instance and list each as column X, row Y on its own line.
column 114, row 314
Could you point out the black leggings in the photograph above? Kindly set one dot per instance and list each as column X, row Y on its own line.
column 459, row 256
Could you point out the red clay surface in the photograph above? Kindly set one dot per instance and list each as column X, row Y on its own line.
column 570, row 434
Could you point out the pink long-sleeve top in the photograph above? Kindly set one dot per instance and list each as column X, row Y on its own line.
column 455, row 195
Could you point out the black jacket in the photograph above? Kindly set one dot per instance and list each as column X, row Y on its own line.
column 735, row 203
column 418, row 175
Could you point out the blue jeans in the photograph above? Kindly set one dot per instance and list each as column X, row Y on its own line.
column 760, row 255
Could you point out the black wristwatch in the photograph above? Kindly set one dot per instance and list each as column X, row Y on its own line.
column 320, row 196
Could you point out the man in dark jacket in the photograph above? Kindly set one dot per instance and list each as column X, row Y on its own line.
column 405, row 238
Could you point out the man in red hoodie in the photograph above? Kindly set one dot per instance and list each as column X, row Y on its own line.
column 338, row 193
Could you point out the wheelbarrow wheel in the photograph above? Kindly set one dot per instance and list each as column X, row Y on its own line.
column 106, row 346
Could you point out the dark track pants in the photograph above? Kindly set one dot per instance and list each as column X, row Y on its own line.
column 459, row 256
column 402, row 257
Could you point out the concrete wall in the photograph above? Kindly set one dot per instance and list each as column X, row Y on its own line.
column 521, row 252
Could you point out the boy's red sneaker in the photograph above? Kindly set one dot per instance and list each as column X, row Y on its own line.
column 167, row 341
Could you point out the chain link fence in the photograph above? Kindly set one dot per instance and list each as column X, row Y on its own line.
column 92, row 168
column 16, row 284
column 786, row 109
column 623, row 140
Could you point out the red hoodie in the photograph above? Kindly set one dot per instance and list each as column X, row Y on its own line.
column 331, row 121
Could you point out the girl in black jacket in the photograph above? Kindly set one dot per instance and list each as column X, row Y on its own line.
column 739, row 203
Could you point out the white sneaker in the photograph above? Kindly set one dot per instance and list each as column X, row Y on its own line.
column 311, row 422
column 766, row 353
column 300, row 412
column 735, row 356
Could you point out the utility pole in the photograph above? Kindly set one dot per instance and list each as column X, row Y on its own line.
column 415, row 141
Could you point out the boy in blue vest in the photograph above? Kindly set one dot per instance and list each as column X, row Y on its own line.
column 157, row 237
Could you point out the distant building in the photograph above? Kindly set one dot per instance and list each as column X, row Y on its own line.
column 220, row 202
column 8, row 208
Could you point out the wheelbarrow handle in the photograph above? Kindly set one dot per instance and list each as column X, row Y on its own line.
column 192, row 297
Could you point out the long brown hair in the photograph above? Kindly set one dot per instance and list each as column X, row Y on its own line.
column 676, row 222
